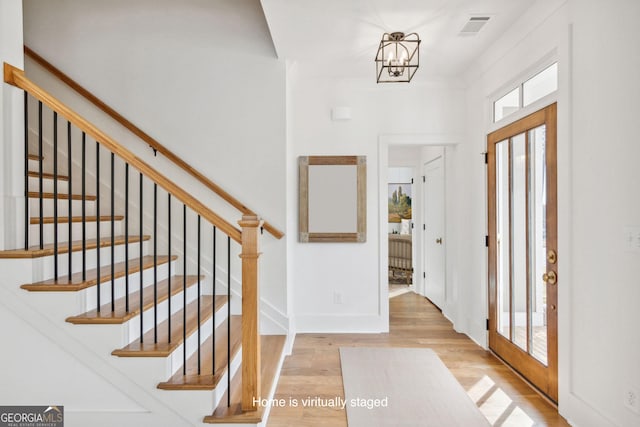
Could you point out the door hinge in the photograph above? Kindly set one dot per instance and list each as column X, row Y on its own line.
column 412, row 226
column 412, row 180
column 424, row 274
column 424, row 227
column 487, row 324
column 486, row 158
column 486, row 241
column 424, row 178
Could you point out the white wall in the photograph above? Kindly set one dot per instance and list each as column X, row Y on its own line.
column 401, row 156
column 595, row 45
column 601, row 340
column 11, row 129
column 322, row 270
column 216, row 101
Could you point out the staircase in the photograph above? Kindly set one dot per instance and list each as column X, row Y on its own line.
column 139, row 275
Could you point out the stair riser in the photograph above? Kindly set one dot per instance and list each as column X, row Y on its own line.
column 219, row 391
column 133, row 326
column 90, row 295
column 34, row 165
column 45, row 265
column 63, row 207
column 47, row 185
column 76, row 230
column 177, row 357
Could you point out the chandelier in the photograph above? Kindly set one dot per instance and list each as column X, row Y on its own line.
column 398, row 57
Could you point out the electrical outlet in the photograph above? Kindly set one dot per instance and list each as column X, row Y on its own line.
column 632, row 399
column 337, row 298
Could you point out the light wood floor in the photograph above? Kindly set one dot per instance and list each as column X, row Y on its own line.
column 313, row 370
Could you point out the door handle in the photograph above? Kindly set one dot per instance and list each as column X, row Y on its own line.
column 439, row 240
column 550, row 277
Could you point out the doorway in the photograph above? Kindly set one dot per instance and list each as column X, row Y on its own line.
column 433, row 229
column 400, row 197
column 523, row 258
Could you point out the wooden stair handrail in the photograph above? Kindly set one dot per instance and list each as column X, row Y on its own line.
column 148, row 139
column 16, row 77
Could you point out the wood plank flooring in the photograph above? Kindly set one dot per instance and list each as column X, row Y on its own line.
column 313, row 370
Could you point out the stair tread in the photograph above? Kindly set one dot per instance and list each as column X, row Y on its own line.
column 75, row 283
column 46, row 175
column 208, row 378
column 65, row 219
column 163, row 347
column 271, row 347
column 34, row 157
column 61, row 196
column 120, row 314
column 63, row 247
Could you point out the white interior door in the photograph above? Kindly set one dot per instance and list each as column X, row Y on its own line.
column 433, row 229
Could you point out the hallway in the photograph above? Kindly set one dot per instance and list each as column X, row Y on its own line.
column 314, row 370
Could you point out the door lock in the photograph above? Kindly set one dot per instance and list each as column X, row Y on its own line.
column 552, row 257
column 550, row 277
column 439, row 240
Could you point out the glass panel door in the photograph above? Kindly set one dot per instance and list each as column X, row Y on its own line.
column 522, row 247
column 538, row 245
column 503, row 218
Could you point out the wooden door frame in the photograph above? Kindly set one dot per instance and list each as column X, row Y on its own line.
column 545, row 378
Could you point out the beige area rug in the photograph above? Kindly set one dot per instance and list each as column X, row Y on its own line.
column 403, row 387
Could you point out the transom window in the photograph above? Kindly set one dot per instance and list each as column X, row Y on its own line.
column 527, row 92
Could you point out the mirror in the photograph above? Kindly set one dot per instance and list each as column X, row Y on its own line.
column 332, row 198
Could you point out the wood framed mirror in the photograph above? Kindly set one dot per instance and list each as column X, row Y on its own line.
column 332, row 198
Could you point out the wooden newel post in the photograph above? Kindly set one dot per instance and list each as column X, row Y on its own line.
column 250, row 312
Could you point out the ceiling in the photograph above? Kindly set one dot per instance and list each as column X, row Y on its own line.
column 340, row 37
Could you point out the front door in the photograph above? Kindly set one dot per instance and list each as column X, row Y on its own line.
column 523, row 252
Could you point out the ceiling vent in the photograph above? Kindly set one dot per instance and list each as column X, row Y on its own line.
column 473, row 26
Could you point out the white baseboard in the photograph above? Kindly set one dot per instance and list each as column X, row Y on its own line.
column 340, row 324
column 477, row 331
column 579, row 413
column 272, row 320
